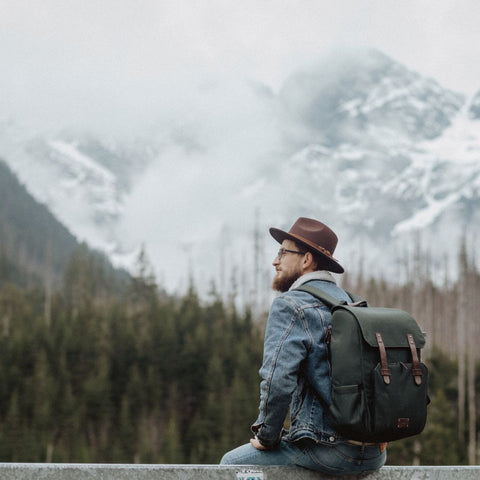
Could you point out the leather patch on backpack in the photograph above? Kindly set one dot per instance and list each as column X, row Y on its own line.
column 403, row 422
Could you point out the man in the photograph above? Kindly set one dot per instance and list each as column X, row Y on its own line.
column 295, row 371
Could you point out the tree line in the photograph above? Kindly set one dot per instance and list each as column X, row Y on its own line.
column 447, row 311
column 91, row 373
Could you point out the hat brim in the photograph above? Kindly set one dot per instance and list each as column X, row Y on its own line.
column 330, row 263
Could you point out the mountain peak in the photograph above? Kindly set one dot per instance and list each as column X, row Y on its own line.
column 364, row 92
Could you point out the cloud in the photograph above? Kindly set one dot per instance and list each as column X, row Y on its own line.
column 119, row 65
column 203, row 178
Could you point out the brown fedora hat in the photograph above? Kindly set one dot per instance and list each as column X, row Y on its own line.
column 315, row 236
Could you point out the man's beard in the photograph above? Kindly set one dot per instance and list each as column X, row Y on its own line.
column 284, row 282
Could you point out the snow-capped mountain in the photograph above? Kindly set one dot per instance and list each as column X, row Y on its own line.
column 367, row 96
column 81, row 180
column 397, row 155
column 359, row 141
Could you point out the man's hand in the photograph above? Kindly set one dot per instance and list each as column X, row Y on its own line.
column 256, row 443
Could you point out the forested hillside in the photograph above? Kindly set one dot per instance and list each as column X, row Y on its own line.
column 142, row 378
column 34, row 247
column 29, row 234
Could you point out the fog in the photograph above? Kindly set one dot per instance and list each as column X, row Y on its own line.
column 197, row 78
column 204, row 179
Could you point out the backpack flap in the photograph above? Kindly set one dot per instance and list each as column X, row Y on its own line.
column 393, row 325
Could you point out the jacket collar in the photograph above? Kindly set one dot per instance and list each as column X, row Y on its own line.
column 318, row 275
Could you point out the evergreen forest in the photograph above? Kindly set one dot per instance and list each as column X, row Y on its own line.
column 92, row 373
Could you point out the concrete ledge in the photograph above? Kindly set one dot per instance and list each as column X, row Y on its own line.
column 69, row 471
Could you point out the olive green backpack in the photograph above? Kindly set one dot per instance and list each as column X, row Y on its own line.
column 379, row 384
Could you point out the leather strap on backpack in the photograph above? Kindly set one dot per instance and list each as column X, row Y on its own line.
column 416, row 370
column 325, row 298
column 385, row 371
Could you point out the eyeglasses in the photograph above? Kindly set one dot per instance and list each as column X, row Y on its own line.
column 283, row 251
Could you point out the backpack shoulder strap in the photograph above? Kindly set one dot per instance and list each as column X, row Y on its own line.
column 357, row 298
column 327, row 299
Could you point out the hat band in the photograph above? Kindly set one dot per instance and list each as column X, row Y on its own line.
column 314, row 245
column 325, row 251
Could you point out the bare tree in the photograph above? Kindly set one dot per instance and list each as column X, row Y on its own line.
column 472, row 305
column 462, row 312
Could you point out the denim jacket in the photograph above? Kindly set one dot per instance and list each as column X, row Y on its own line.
column 295, row 371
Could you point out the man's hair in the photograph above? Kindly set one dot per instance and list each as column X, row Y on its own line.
column 318, row 261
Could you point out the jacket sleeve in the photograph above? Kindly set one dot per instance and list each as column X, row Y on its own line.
column 286, row 344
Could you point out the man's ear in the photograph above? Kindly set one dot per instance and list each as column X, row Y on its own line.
column 308, row 262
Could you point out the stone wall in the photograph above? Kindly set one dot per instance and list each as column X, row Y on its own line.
column 49, row 471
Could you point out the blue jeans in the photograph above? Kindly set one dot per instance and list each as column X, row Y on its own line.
column 342, row 458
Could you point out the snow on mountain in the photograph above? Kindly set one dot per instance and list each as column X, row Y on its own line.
column 78, row 170
column 444, row 172
column 85, row 195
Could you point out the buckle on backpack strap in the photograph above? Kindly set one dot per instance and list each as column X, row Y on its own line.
column 360, row 303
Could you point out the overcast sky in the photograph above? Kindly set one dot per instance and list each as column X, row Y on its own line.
column 123, row 61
